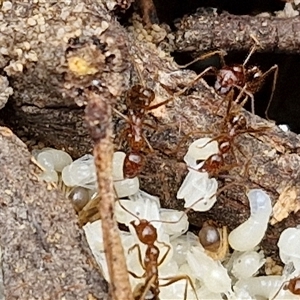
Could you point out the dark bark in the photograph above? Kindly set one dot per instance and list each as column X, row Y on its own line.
column 46, row 89
column 207, row 30
column 43, row 252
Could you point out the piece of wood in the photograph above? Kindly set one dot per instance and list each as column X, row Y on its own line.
column 101, row 133
column 44, row 254
column 273, row 155
column 206, row 30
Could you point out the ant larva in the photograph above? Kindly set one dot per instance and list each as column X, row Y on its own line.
column 148, row 234
column 249, row 79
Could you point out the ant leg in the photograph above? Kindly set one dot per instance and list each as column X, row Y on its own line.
column 187, row 136
column 221, row 53
column 183, row 90
column 136, row 276
column 124, row 132
column 150, row 126
column 253, row 49
column 198, row 77
column 139, row 72
column 137, row 294
column 148, row 143
column 275, row 70
column 166, row 253
column 121, row 115
column 243, row 90
column 279, row 290
column 139, row 254
column 181, row 277
column 228, row 98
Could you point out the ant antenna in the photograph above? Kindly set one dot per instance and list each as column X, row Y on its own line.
column 253, row 49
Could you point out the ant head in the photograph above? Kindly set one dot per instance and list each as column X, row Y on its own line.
column 253, row 73
column 145, row 231
column 294, row 286
column 224, row 145
column 228, row 77
column 213, row 164
column 133, row 164
column 139, row 97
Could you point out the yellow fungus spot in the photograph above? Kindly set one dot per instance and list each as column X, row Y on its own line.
column 80, row 66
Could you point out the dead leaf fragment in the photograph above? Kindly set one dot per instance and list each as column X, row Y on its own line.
column 286, row 204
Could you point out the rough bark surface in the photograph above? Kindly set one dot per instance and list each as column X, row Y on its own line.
column 272, row 155
column 208, row 30
column 36, row 43
column 44, row 50
column 44, row 254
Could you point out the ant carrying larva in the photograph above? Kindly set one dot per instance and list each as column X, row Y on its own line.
column 209, row 154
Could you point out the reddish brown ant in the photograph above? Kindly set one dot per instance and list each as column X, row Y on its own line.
column 239, row 76
column 234, row 125
column 147, row 234
column 138, row 101
column 293, row 285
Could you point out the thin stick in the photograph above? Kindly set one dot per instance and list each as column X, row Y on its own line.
column 101, row 133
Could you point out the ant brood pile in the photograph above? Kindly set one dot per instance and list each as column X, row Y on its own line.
column 163, row 259
column 183, row 268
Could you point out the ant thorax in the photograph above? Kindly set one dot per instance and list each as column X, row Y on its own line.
column 237, row 122
column 139, row 97
column 134, row 158
column 228, row 77
column 136, row 127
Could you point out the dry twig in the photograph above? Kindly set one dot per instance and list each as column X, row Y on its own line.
column 98, row 116
column 207, row 30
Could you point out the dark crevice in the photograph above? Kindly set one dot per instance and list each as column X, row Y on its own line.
column 168, row 11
